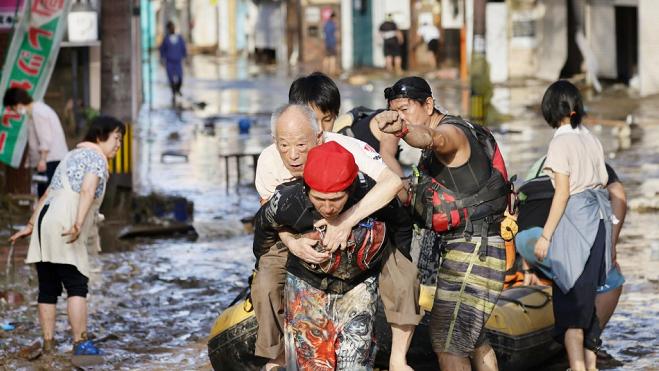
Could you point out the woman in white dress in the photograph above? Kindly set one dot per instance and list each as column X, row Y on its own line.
column 61, row 224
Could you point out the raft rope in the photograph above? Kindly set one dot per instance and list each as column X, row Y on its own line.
column 531, row 306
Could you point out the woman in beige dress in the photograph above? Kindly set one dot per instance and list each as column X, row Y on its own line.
column 60, row 226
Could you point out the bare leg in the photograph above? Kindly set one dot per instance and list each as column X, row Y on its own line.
column 274, row 364
column 326, row 65
column 591, row 359
column 398, row 62
column 401, row 337
column 333, row 70
column 452, row 362
column 77, row 308
column 484, row 359
column 575, row 350
column 47, row 320
column 389, row 63
column 605, row 304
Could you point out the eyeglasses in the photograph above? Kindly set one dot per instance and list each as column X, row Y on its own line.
column 405, row 91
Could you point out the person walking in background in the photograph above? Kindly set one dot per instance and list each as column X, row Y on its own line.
column 577, row 236
column 46, row 140
column 429, row 34
column 59, row 228
column 172, row 54
column 330, row 32
column 393, row 40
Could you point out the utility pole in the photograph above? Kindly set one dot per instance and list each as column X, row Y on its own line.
column 116, row 61
column 411, row 36
column 480, row 84
column 464, row 71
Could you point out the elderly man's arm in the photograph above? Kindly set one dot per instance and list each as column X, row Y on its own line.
column 387, row 186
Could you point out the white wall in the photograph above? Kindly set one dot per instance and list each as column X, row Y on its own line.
column 223, row 34
column 496, row 26
column 552, row 39
column 378, row 17
column 469, row 20
column 204, row 16
column 400, row 11
column 648, row 46
column 270, row 23
column 346, row 34
column 601, row 35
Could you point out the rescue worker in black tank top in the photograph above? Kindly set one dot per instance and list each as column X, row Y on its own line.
column 471, row 273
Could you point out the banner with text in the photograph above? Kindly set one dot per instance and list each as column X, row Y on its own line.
column 28, row 65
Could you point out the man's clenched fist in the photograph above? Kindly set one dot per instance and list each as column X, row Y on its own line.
column 389, row 122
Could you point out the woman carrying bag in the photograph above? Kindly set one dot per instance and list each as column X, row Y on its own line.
column 576, row 237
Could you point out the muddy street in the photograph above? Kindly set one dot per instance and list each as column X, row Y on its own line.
column 152, row 303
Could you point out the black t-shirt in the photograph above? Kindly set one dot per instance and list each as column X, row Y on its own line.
column 535, row 211
column 290, row 208
column 388, row 26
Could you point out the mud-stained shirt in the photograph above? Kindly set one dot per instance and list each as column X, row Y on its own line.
column 271, row 171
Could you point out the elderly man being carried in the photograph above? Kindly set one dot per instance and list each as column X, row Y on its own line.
column 296, row 132
column 330, row 301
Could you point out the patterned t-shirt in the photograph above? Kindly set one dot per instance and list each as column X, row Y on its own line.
column 82, row 161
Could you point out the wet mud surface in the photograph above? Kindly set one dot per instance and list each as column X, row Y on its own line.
column 152, row 305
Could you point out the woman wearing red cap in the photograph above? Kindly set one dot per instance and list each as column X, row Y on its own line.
column 330, row 304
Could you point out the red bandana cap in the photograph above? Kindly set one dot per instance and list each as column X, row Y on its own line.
column 330, row 168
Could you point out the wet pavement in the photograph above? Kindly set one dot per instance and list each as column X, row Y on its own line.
column 152, row 305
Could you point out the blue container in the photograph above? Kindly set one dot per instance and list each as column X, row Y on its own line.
column 181, row 211
column 244, row 124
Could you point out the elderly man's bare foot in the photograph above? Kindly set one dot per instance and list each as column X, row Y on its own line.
column 399, row 365
column 275, row 364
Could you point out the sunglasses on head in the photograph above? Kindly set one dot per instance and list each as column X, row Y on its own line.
column 405, row 91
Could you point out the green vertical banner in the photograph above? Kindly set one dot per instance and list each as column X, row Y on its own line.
column 28, row 65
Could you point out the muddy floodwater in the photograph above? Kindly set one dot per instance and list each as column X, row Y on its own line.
column 152, row 302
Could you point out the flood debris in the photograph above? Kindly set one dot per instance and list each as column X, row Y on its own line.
column 7, row 327
column 157, row 215
column 174, row 154
column 134, row 231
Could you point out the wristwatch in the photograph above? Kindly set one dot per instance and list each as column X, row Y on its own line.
column 403, row 132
